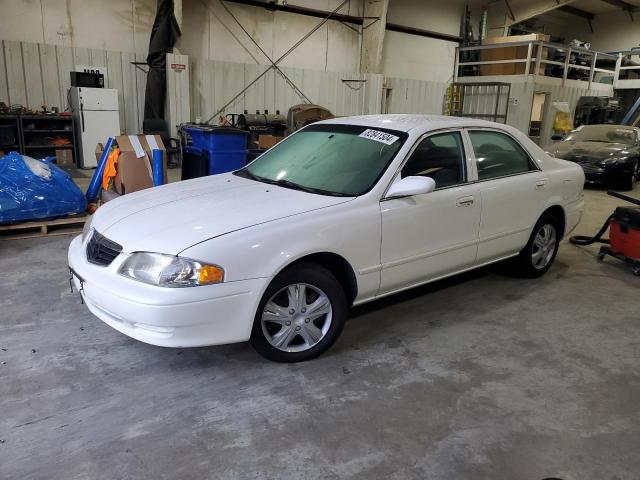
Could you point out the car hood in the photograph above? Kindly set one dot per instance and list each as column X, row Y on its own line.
column 173, row 217
column 589, row 152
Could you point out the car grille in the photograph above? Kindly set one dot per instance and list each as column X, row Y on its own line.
column 101, row 250
column 590, row 168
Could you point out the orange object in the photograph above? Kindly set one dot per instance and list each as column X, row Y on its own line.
column 210, row 274
column 110, row 169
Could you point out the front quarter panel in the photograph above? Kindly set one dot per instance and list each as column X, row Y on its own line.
column 351, row 230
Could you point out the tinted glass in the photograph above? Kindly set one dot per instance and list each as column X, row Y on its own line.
column 331, row 159
column 440, row 157
column 498, row 155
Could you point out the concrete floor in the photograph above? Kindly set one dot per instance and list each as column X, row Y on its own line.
column 478, row 377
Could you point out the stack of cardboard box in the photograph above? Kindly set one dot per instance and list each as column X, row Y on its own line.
column 512, row 53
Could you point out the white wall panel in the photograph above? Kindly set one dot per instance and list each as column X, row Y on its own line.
column 177, row 109
column 415, row 96
column 50, row 79
column 17, row 92
column 4, row 90
column 214, row 83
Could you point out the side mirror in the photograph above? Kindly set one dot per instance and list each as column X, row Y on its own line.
column 409, row 186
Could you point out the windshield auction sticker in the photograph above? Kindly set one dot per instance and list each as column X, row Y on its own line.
column 382, row 137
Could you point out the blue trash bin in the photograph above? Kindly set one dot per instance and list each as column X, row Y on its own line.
column 226, row 147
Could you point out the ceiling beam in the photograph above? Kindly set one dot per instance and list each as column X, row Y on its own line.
column 577, row 12
column 622, row 5
column 627, row 7
column 347, row 19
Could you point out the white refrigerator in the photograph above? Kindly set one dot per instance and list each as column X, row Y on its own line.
column 97, row 118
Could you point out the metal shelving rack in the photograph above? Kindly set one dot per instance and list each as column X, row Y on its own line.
column 37, row 131
column 33, row 134
column 10, row 127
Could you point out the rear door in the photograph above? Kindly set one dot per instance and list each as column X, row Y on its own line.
column 512, row 190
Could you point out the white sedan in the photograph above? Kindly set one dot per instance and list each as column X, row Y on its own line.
column 340, row 213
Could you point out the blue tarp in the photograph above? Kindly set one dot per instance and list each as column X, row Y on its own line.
column 33, row 189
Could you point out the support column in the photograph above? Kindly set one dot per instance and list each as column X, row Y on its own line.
column 373, row 35
column 177, row 11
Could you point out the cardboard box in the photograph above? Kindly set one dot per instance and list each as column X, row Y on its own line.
column 156, row 141
column 134, row 170
column 512, row 53
column 64, row 157
column 268, row 141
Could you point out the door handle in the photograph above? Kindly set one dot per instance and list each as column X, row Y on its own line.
column 541, row 184
column 464, row 202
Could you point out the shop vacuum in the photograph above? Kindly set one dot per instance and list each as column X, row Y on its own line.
column 624, row 234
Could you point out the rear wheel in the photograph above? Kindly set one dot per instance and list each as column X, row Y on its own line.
column 301, row 314
column 538, row 255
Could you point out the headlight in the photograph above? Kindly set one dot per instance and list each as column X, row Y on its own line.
column 87, row 228
column 169, row 270
column 609, row 161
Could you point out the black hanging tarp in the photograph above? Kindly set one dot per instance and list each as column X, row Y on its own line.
column 164, row 34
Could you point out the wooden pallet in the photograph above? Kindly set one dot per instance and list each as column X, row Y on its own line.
column 43, row 228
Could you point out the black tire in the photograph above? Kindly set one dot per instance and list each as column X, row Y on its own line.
column 316, row 277
column 524, row 264
column 627, row 183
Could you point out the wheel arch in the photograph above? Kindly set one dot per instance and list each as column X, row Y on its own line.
column 336, row 264
column 558, row 212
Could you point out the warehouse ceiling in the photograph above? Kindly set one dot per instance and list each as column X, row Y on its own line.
column 601, row 6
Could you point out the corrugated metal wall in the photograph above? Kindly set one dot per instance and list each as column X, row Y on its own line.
column 178, row 108
column 36, row 74
column 214, row 83
column 415, row 96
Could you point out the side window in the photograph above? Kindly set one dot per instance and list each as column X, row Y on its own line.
column 441, row 157
column 498, row 155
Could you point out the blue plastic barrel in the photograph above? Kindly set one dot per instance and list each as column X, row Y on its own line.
column 226, row 147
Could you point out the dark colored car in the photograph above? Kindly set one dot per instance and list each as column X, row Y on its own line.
column 608, row 154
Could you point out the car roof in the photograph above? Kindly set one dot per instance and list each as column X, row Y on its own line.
column 409, row 122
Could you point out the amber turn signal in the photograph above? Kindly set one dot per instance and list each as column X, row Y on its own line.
column 210, row 274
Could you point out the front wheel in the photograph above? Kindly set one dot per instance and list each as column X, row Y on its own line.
column 627, row 183
column 301, row 314
column 537, row 256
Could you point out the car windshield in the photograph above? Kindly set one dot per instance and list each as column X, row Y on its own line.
column 328, row 159
column 603, row 133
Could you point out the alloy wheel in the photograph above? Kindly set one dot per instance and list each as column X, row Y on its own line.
column 297, row 317
column 544, row 246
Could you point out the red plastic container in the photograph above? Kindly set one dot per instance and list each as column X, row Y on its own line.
column 624, row 232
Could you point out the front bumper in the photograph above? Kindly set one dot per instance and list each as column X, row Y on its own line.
column 167, row 317
column 607, row 175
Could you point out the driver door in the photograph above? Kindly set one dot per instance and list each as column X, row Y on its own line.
column 434, row 234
